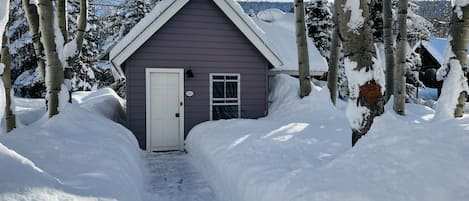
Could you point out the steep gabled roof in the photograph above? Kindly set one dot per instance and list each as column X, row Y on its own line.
column 437, row 48
column 166, row 9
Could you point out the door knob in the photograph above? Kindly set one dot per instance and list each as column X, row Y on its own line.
column 177, row 114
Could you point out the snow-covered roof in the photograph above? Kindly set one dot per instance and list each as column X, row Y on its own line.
column 436, row 47
column 166, row 9
column 279, row 27
column 272, row 32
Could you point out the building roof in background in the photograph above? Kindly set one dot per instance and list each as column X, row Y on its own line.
column 436, row 47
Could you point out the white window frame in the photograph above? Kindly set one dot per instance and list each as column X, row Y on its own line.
column 238, row 103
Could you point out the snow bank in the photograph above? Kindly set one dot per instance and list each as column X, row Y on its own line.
column 255, row 159
column 401, row 158
column 77, row 155
column 104, row 101
column 301, row 151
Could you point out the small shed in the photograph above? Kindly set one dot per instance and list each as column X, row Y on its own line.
column 190, row 61
column 432, row 54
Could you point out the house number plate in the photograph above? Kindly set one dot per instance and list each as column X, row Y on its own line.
column 189, row 93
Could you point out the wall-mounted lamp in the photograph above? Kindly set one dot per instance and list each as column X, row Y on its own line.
column 189, row 73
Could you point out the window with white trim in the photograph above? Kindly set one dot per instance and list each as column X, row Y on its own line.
column 225, row 99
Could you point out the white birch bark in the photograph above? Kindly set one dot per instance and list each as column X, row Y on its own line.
column 33, row 22
column 459, row 39
column 303, row 58
column 388, row 47
column 55, row 73
column 399, row 83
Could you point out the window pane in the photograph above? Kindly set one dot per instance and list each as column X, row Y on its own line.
column 225, row 112
column 231, row 90
column 218, row 77
column 234, row 77
column 218, row 90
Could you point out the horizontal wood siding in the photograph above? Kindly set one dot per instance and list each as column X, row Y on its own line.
column 199, row 37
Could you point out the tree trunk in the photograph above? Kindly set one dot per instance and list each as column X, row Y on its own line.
column 33, row 21
column 81, row 29
column 55, row 74
column 62, row 18
column 364, row 75
column 303, row 57
column 332, row 77
column 459, row 34
column 81, row 25
column 388, row 47
column 6, row 77
column 399, row 83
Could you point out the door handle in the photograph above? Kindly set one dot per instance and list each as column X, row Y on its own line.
column 177, row 115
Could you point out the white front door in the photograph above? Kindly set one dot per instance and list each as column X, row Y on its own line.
column 165, row 110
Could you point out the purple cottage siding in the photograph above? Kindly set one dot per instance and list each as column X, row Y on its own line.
column 202, row 38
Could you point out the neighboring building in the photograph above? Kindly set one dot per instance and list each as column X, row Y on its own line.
column 257, row 6
column 432, row 53
column 191, row 61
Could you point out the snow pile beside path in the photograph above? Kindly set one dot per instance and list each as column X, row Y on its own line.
column 77, row 155
column 401, row 158
column 22, row 170
column 104, row 101
column 301, row 152
column 255, row 159
column 29, row 110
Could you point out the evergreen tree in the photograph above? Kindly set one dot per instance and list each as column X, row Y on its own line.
column 26, row 78
column 133, row 12
column 418, row 28
column 376, row 19
column 319, row 24
column 83, row 68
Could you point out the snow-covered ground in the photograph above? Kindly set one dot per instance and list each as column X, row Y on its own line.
column 302, row 151
column 255, row 159
column 79, row 154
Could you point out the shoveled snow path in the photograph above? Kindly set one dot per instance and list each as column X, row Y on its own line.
column 172, row 177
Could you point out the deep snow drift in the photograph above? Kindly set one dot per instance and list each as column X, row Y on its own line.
column 301, row 151
column 255, row 159
column 78, row 155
